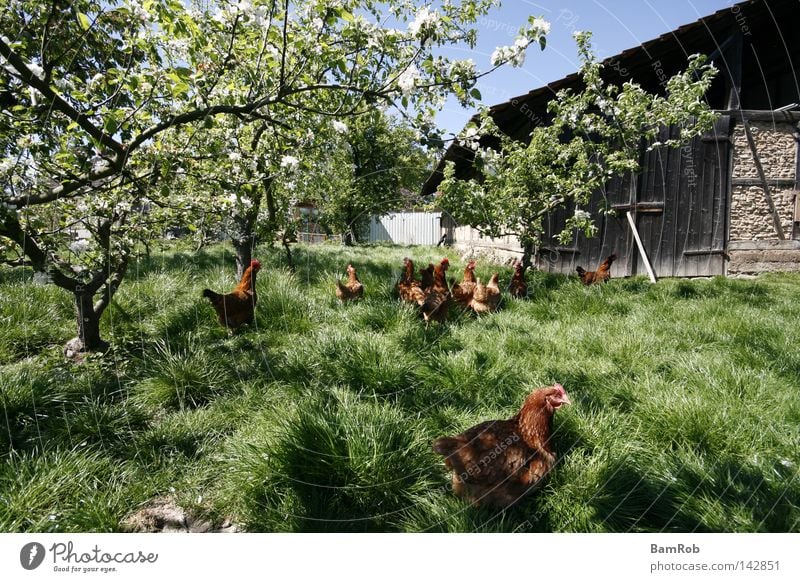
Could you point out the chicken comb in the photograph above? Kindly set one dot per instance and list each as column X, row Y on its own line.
column 255, row 263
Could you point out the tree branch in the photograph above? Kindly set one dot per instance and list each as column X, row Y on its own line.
column 26, row 75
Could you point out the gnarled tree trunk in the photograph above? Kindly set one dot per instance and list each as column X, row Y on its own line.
column 88, row 324
column 527, row 255
column 243, row 248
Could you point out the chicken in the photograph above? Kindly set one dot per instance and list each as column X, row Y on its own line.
column 601, row 275
column 351, row 290
column 486, row 298
column 437, row 300
column 408, row 288
column 462, row 292
column 499, row 461
column 427, row 277
column 237, row 307
column 420, row 291
column 518, row 287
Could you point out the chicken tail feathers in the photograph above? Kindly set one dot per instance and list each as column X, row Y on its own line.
column 580, row 270
column 214, row 297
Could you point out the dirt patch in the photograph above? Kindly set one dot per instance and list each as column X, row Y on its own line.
column 163, row 515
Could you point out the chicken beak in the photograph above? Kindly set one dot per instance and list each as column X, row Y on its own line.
column 565, row 399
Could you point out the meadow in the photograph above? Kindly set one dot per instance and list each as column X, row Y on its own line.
column 320, row 417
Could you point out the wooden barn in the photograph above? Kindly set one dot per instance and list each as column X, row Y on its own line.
column 725, row 204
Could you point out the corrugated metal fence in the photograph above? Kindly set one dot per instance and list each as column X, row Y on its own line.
column 407, row 228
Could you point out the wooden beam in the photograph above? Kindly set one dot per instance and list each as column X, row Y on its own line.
column 641, row 207
column 762, row 114
column 639, row 244
column 776, row 219
column 776, row 182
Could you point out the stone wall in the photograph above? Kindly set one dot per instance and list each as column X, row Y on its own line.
column 750, row 216
column 754, row 245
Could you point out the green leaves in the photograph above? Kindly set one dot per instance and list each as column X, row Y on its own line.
column 84, row 21
column 595, row 135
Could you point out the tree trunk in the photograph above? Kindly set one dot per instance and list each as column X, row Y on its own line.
column 88, row 323
column 244, row 254
column 289, row 260
column 527, row 255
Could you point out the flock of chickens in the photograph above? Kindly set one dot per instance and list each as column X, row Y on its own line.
column 496, row 462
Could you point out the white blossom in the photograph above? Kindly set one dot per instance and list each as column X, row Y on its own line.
column 245, row 7
column 139, row 11
column 424, row 25
column 63, row 84
column 513, row 55
column 541, row 25
column 408, row 79
column 221, row 16
column 470, row 138
column 290, row 162
column 462, row 68
column 582, row 214
column 37, row 70
column 340, row 126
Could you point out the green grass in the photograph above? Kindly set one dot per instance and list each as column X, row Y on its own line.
column 320, row 416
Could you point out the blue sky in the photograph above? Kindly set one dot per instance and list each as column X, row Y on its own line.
column 616, row 25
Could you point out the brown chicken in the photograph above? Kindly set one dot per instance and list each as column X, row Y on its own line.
column 518, row 287
column 437, row 300
column 486, row 298
column 237, row 307
column 462, row 292
column 408, row 288
column 497, row 462
column 352, row 289
column 601, row 275
column 427, row 277
column 420, row 291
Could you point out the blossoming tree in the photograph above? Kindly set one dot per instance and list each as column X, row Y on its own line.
column 90, row 89
column 375, row 157
column 595, row 135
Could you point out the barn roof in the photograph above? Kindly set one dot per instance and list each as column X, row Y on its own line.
column 765, row 24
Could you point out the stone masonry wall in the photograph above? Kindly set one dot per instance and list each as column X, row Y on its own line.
column 754, row 246
column 750, row 217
